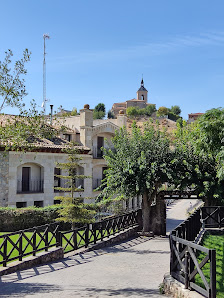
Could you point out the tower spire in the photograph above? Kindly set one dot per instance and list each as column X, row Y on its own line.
column 142, row 82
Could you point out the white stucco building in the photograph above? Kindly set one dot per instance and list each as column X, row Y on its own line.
column 28, row 179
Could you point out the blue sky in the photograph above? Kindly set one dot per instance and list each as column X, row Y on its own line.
column 99, row 50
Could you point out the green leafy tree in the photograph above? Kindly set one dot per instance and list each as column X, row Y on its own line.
column 173, row 116
column 23, row 131
column 150, row 109
column 12, row 87
column 162, row 111
column 210, row 128
column 74, row 209
column 99, row 111
column 110, row 115
column 132, row 112
column 198, row 157
column 138, row 165
column 176, row 110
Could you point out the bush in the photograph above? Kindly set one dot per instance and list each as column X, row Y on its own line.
column 132, row 111
column 173, row 116
column 162, row 111
column 151, row 108
column 136, row 111
column 13, row 219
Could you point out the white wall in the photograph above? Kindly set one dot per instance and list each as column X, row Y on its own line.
column 48, row 162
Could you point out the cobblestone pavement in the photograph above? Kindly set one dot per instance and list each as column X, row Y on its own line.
column 133, row 268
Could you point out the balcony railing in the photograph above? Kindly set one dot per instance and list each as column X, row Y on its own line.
column 97, row 152
column 79, row 183
column 32, row 186
column 96, row 183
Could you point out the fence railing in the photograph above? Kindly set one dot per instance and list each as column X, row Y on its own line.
column 212, row 217
column 92, row 233
column 185, row 265
column 184, row 250
column 17, row 245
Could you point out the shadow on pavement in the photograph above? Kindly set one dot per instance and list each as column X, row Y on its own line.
column 22, row 289
column 126, row 292
column 79, row 259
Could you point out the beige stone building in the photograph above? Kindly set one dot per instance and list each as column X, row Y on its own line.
column 28, row 179
column 193, row 117
column 141, row 101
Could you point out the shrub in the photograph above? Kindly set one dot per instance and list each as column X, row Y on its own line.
column 13, row 219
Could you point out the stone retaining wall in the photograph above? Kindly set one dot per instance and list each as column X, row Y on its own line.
column 176, row 289
column 29, row 262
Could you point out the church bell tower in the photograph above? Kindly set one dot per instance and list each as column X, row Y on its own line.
column 142, row 93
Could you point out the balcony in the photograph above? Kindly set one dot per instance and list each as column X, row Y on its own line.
column 32, row 186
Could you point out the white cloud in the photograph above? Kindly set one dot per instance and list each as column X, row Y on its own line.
column 147, row 49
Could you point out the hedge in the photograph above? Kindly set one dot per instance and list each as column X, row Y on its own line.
column 12, row 219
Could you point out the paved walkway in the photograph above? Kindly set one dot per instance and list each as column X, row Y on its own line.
column 133, row 268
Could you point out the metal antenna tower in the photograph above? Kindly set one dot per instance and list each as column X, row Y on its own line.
column 45, row 36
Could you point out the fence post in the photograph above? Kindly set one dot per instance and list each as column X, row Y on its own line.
column 187, row 230
column 101, row 230
column 34, row 241
column 94, row 233
column 74, row 236
column 58, row 239
column 212, row 256
column 87, row 235
column 46, row 238
column 21, row 246
column 186, row 273
column 5, row 252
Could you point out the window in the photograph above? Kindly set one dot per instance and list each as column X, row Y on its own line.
column 38, row 203
column 29, row 178
column 100, row 144
column 20, row 204
column 56, row 202
column 57, row 180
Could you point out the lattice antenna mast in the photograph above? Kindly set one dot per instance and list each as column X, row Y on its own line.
column 45, row 36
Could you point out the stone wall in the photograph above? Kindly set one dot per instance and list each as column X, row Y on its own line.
column 4, row 178
column 176, row 289
column 31, row 261
column 47, row 162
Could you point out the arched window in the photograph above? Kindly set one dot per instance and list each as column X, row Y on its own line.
column 142, row 97
column 30, row 178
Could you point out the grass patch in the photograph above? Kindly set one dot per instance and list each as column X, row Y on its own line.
column 214, row 241
column 28, row 248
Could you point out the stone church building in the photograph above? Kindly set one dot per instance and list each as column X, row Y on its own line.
column 141, row 101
